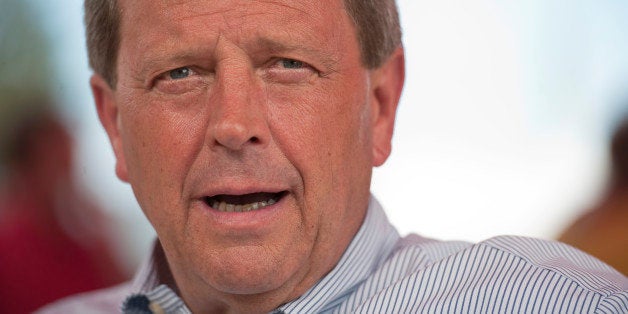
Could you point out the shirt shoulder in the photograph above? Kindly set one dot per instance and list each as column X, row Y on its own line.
column 563, row 259
column 102, row 301
column 502, row 274
column 584, row 272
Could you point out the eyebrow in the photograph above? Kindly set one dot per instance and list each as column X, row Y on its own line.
column 160, row 59
column 273, row 46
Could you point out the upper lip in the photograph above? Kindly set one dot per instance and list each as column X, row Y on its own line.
column 239, row 189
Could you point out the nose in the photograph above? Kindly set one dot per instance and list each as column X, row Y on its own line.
column 238, row 117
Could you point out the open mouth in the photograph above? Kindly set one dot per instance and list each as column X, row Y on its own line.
column 243, row 203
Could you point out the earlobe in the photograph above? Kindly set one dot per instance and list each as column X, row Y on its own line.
column 387, row 83
column 107, row 109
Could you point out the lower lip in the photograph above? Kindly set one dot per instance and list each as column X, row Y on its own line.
column 254, row 219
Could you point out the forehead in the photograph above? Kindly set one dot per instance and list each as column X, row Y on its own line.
column 150, row 22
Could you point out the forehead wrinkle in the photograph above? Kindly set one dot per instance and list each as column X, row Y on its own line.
column 277, row 3
column 222, row 13
column 241, row 11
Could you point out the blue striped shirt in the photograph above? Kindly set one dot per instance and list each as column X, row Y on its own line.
column 381, row 272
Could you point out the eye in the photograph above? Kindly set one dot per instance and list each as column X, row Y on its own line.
column 291, row 64
column 289, row 71
column 179, row 73
column 180, row 80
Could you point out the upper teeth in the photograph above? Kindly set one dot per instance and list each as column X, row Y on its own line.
column 226, row 207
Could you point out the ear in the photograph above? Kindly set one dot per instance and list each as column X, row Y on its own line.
column 386, row 85
column 108, row 114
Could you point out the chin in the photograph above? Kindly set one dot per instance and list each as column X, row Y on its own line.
column 248, row 271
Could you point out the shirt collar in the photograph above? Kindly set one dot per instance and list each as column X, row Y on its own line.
column 371, row 245
column 147, row 278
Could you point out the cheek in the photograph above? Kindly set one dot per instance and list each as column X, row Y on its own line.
column 322, row 131
column 160, row 134
column 159, row 146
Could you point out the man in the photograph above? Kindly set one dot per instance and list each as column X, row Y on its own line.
column 248, row 131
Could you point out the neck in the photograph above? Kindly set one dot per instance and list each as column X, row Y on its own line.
column 200, row 297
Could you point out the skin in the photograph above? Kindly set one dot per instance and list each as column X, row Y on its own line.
column 244, row 117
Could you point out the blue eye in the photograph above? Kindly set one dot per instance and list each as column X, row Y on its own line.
column 179, row 73
column 291, row 64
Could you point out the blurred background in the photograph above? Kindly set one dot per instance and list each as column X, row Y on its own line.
column 504, row 126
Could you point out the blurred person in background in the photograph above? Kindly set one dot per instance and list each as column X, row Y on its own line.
column 52, row 239
column 603, row 230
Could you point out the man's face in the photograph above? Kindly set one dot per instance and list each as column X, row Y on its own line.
column 247, row 130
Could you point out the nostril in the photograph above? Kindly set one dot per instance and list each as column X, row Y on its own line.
column 254, row 139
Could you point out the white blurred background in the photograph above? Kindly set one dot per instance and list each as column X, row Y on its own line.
column 503, row 127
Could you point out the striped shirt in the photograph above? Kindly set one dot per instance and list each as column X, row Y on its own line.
column 381, row 272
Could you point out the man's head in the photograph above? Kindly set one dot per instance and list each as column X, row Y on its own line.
column 248, row 131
